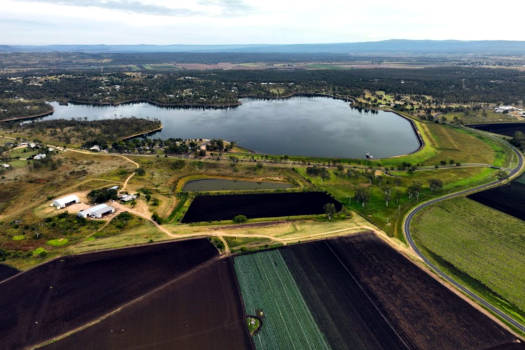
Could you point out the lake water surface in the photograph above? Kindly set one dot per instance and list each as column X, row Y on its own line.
column 309, row 126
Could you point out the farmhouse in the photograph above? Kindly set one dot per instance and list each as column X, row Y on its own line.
column 65, row 201
column 39, row 156
column 503, row 109
column 97, row 212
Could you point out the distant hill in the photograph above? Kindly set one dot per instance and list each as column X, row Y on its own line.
column 376, row 48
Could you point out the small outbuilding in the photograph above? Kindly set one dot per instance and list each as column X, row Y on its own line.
column 63, row 202
column 127, row 197
column 95, row 148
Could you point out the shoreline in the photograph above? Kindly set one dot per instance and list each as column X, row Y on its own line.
column 416, row 131
column 157, row 104
column 27, row 117
column 209, row 106
column 144, row 133
column 346, row 99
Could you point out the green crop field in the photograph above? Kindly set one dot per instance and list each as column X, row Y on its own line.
column 481, row 247
column 479, row 117
column 267, row 284
column 521, row 179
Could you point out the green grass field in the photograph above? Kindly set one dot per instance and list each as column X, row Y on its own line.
column 389, row 218
column 267, row 284
column 521, row 179
column 481, row 247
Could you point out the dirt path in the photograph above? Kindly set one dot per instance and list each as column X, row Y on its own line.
column 103, row 154
column 226, row 246
column 221, row 233
column 121, row 207
column 125, row 183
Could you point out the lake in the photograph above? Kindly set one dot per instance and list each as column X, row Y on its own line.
column 309, row 126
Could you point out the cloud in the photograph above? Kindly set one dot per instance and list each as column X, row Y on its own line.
column 126, row 5
column 252, row 21
column 229, row 7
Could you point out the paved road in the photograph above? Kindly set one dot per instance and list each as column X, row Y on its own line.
column 410, row 241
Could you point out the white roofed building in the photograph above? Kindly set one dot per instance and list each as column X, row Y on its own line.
column 127, row 197
column 65, row 201
column 97, row 212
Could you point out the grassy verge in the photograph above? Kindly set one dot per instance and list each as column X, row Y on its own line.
column 246, row 244
column 137, row 234
column 183, row 203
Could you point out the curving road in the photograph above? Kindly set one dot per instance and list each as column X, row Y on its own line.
column 406, row 227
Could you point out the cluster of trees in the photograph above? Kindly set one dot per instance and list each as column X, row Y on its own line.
column 168, row 146
column 318, row 171
column 15, row 108
column 224, row 88
column 391, row 193
column 102, row 195
column 86, row 132
column 518, row 140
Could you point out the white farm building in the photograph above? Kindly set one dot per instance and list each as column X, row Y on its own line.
column 63, row 202
column 97, row 212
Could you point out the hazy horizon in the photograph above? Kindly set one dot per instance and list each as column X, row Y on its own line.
column 264, row 43
column 250, row 22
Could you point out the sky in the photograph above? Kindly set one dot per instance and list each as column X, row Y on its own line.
column 41, row 22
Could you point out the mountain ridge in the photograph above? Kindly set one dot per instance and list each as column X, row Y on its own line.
column 393, row 46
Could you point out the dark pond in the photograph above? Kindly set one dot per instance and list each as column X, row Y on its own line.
column 508, row 129
column 509, row 198
column 226, row 207
column 309, row 126
column 225, row 185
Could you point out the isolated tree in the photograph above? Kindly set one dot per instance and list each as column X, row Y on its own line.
column 502, row 175
column 240, row 219
column 371, row 175
column 362, row 195
column 414, row 190
column 155, row 217
column 435, row 184
column 387, row 191
column 396, row 196
column 329, row 209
